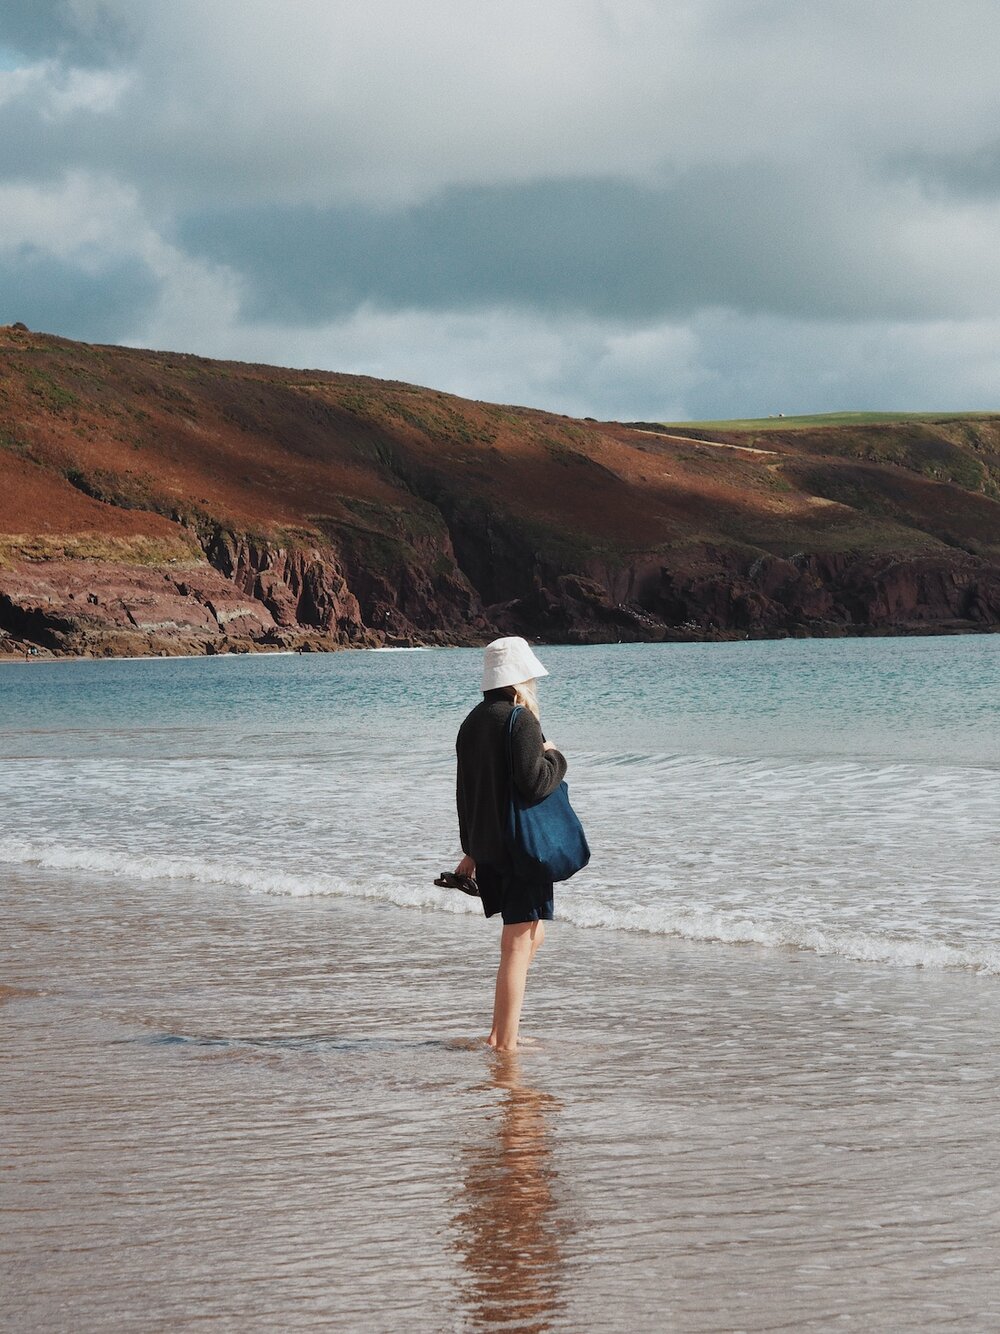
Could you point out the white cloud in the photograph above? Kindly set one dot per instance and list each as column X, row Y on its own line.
column 97, row 225
column 55, row 92
column 20, row 81
column 96, row 91
column 77, row 217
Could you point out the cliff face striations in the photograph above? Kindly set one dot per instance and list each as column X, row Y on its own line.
column 156, row 502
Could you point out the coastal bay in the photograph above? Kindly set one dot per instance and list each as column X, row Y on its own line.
column 246, row 1080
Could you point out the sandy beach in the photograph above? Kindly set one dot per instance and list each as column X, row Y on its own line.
column 293, row 1125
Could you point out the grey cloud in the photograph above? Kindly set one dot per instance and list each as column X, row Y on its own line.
column 83, row 34
column 715, row 365
column 33, row 149
column 36, row 28
column 105, row 303
column 355, row 101
column 756, row 367
column 629, row 169
column 744, row 237
column 974, row 174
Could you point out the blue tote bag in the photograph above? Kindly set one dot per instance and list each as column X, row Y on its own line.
column 544, row 836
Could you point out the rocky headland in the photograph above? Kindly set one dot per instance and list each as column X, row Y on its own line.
column 156, row 502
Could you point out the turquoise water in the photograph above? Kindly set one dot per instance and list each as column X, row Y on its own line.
column 927, row 699
column 840, row 796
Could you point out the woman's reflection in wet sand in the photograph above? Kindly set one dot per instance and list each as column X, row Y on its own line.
column 510, row 1232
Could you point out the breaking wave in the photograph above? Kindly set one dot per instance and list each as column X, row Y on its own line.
column 581, row 909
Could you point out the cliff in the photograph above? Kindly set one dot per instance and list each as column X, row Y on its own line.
column 158, row 502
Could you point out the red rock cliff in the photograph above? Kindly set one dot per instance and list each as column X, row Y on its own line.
column 156, row 502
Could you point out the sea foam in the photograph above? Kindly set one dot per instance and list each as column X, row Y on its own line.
column 580, row 908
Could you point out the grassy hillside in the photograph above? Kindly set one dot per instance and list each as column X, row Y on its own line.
column 446, row 516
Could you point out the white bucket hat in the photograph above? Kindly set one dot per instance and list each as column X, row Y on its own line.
column 508, row 662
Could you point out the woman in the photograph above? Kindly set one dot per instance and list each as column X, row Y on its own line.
column 510, row 671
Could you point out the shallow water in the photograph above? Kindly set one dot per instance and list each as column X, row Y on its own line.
column 242, row 1086
column 284, row 1124
column 841, row 796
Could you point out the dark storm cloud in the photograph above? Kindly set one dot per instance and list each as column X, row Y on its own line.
column 745, row 237
column 55, row 29
column 57, row 296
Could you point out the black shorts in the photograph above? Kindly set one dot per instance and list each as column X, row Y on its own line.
column 516, row 898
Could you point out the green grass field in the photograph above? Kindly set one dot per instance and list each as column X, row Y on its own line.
column 827, row 419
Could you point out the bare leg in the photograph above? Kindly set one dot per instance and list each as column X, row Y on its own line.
column 537, row 936
column 518, row 945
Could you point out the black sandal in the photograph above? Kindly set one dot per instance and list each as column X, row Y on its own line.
column 449, row 880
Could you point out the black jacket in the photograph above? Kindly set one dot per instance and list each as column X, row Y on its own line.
column 482, row 787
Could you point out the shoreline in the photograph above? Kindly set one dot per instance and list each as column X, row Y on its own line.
column 251, row 649
column 734, row 936
column 143, row 657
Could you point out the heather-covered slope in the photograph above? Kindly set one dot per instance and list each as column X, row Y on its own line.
column 158, row 502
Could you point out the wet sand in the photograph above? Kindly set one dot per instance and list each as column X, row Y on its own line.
column 256, row 1113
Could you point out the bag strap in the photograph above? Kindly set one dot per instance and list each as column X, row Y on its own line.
column 510, row 746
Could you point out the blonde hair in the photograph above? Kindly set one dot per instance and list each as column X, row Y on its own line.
column 526, row 694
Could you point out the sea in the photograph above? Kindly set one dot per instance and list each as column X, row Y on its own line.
column 244, row 1080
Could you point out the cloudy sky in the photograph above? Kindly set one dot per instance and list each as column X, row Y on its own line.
column 614, row 208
